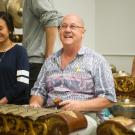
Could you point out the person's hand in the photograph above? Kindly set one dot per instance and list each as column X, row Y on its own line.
column 69, row 105
column 3, row 100
column 35, row 105
column 36, row 101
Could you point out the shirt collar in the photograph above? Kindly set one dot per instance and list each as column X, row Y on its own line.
column 80, row 52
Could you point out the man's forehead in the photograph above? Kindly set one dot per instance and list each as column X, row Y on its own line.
column 73, row 19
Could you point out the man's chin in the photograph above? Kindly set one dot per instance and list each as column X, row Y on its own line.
column 68, row 43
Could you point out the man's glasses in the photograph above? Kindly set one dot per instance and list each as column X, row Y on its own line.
column 72, row 27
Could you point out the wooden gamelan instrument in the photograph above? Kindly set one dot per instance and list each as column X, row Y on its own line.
column 25, row 120
column 117, row 126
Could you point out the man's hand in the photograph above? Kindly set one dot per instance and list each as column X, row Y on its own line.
column 35, row 105
column 36, row 101
column 69, row 105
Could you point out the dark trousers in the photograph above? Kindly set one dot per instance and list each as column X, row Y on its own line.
column 34, row 71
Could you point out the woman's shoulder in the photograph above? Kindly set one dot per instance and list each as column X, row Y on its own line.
column 18, row 47
column 20, row 50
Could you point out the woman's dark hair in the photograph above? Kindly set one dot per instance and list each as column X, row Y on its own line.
column 9, row 21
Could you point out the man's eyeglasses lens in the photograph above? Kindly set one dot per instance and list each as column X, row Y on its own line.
column 72, row 27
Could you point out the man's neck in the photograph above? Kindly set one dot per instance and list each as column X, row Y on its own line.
column 70, row 51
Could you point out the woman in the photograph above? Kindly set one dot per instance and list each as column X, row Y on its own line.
column 14, row 68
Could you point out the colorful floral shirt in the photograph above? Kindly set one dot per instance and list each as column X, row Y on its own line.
column 86, row 77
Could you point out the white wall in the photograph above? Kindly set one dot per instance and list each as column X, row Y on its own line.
column 115, row 31
column 115, row 26
column 85, row 8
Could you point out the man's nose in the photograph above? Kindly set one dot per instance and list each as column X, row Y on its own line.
column 68, row 28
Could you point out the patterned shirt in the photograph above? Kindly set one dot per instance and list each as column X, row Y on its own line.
column 86, row 77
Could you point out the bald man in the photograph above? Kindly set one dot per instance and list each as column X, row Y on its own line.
column 80, row 77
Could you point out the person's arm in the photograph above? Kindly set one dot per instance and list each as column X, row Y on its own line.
column 133, row 68
column 38, row 92
column 95, row 104
column 51, row 33
column 50, row 18
column 36, row 101
column 19, row 91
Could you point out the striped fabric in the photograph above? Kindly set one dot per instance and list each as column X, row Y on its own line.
column 23, row 76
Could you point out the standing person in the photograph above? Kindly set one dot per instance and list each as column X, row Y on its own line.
column 14, row 67
column 133, row 68
column 40, row 22
column 80, row 77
